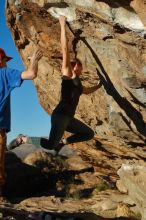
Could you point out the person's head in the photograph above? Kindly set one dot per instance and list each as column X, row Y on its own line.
column 20, row 139
column 3, row 58
column 77, row 66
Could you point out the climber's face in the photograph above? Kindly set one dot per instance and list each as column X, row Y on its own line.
column 77, row 68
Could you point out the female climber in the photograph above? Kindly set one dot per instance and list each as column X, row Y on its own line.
column 62, row 118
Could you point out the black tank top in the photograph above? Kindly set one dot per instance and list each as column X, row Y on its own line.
column 70, row 93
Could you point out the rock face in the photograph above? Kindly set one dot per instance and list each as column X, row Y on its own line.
column 109, row 37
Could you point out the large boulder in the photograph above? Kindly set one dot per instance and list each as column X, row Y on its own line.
column 109, row 38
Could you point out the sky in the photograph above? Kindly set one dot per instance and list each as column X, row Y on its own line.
column 27, row 116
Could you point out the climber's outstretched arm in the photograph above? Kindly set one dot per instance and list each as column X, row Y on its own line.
column 91, row 89
column 66, row 66
column 31, row 72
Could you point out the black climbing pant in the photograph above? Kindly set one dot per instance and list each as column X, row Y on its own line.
column 61, row 123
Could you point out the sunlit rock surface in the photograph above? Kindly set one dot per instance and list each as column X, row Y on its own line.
column 133, row 177
column 109, row 37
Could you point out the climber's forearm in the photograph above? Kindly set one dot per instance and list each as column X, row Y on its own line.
column 64, row 46
column 64, row 43
column 91, row 89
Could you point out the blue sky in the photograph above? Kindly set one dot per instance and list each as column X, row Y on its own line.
column 27, row 116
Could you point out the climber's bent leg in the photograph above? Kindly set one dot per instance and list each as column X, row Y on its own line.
column 81, row 132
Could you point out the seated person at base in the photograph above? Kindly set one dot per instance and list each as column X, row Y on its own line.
column 24, row 139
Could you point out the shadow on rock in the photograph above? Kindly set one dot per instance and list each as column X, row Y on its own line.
column 23, row 179
column 42, row 174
